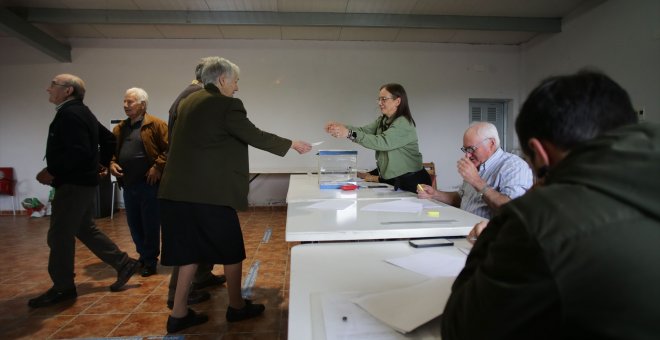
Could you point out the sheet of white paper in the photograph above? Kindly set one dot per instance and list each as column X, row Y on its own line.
column 404, row 206
column 428, row 204
column 431, row 263
column 331, row 205
column 317, row 143
column 407, row 308
column 358, row 323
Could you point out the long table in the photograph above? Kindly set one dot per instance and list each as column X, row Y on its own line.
column 318, row 269
column 303, row 188
column 304, row 223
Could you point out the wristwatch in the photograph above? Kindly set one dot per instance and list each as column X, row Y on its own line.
column 483, row 191
column 352, row 135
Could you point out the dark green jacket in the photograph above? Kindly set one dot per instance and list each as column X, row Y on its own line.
column 578, row 258
column 208, row 158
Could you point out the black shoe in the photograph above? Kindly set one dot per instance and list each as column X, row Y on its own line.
column 214, row 280
column 191, row 319
column 249, row 311
column 148, row 270
column 124, row 275
column 194, row 297
column 52, row 297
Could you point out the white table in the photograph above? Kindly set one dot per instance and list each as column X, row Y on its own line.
column 348, row 267
column 352, row 223
column 306, row 188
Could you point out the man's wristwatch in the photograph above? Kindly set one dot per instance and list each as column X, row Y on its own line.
column 483, row 191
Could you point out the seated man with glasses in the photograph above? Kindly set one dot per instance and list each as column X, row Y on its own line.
column 491, row 176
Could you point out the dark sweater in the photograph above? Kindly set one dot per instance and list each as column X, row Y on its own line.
column 72, row 149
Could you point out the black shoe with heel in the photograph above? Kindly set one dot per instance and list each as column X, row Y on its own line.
column 250, row 310
column 191, row 319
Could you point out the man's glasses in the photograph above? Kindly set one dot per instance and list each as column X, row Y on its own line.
column 53, row 83
column 382, row 99
column 473, row 148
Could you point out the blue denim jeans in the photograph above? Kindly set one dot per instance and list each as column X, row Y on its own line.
column 143, row 217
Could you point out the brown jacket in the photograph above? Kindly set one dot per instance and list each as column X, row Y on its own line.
column 154, row 136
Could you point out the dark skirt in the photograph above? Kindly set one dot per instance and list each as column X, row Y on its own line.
column 200, row 233
column 409, row 181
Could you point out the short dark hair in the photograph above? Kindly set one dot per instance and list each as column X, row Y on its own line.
column 568, row 110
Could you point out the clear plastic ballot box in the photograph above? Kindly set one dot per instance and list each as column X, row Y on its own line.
column 337, row 168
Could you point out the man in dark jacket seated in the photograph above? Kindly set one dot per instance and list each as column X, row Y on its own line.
column 577, row 256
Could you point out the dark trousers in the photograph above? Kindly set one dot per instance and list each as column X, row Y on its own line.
column 203, row 273
column 143, row 217
column 409, row 181
column 73, row 216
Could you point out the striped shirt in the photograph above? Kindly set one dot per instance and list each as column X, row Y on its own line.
column 505, row 172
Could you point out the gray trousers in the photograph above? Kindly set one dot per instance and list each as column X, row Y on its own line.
column 73, row 217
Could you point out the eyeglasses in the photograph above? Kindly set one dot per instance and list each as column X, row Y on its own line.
column 473, row 148
column 382, row 99
column 53, row 83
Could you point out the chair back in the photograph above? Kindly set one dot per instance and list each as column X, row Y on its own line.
column 7, row 181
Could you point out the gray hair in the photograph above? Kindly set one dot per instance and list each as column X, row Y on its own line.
column 214, row 67
column 140, row 94
column 486, row 130
column 198, row 70
column 76, row 83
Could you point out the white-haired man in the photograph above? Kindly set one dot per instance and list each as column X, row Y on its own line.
column 491, row 176
column 138, row 164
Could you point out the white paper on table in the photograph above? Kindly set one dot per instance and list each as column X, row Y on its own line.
column 317, row 143
column 428, row 204
column 359, row 324
column 331, row 205
column 405, row 309
column 403, row 205
column 431, row 263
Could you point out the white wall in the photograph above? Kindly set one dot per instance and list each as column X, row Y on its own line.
column 292, row 87
column 289, row 87
column 618, row 37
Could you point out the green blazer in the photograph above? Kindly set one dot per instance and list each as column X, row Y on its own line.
column 208, row 158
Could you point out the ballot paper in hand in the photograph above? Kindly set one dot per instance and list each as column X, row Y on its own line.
column 405, row 309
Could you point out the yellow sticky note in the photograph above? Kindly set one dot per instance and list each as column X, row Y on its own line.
column 433, row 213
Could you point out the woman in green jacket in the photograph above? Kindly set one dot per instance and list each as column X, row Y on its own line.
column 394, row 138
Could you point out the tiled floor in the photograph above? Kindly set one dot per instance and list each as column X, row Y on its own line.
column 140, row 310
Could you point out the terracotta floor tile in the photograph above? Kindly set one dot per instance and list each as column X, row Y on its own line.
column 143, row 324
column 36, row 327
column 140, row 309
column 89, row 326
column 116, row 304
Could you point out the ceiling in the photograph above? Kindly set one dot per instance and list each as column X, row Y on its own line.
column 48, row 25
